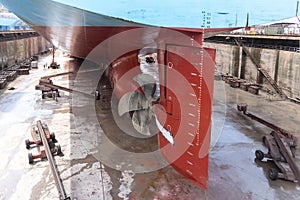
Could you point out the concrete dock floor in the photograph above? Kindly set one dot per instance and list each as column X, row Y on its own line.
column 233, row 171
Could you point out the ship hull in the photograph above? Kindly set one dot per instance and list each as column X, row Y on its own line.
column 79, row 41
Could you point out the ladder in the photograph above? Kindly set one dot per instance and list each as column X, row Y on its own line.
column 262, row 71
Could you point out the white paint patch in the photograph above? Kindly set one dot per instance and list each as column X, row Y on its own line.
column 168, row 135
column 126, row 184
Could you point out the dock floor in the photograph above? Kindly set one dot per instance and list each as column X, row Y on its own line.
column 233, row 171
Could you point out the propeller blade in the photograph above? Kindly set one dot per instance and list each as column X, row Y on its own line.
column 132, row 101
column 141, row 120
column 147, row 83
column 140, row 103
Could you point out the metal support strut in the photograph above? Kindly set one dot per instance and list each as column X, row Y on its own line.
column 262, row 70
column 281, row 149
column 58, row 182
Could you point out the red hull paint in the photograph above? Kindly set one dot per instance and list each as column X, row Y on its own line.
column 121, row 74
column 189, row 119
column 81, row 40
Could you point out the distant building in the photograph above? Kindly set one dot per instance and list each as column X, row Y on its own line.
column 8, row 21
column 12, row 24
column 290, row 26
column 6, row 24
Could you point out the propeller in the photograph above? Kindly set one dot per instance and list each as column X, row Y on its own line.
column 139, row 105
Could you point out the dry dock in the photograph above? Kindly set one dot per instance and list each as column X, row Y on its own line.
column 233, row 171
column 277, row 55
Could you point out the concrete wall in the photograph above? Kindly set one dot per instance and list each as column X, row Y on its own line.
column 282, row 66
column 17, row 50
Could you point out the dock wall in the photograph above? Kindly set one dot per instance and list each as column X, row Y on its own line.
column 14, row 51
column 282, row 66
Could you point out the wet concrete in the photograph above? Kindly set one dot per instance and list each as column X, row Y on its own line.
column 233, row 155
column 19, row 110
column 233, row 171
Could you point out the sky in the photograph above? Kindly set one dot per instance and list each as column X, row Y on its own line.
column 191, row 13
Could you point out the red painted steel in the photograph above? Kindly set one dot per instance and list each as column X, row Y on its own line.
column 81, row 40
column 189, row 75
column 186, row 81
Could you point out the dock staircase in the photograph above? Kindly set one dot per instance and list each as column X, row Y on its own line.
column 262, row 70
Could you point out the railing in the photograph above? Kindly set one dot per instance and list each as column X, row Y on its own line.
column 257, row 45
column 17, row 34
column 16, row 31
